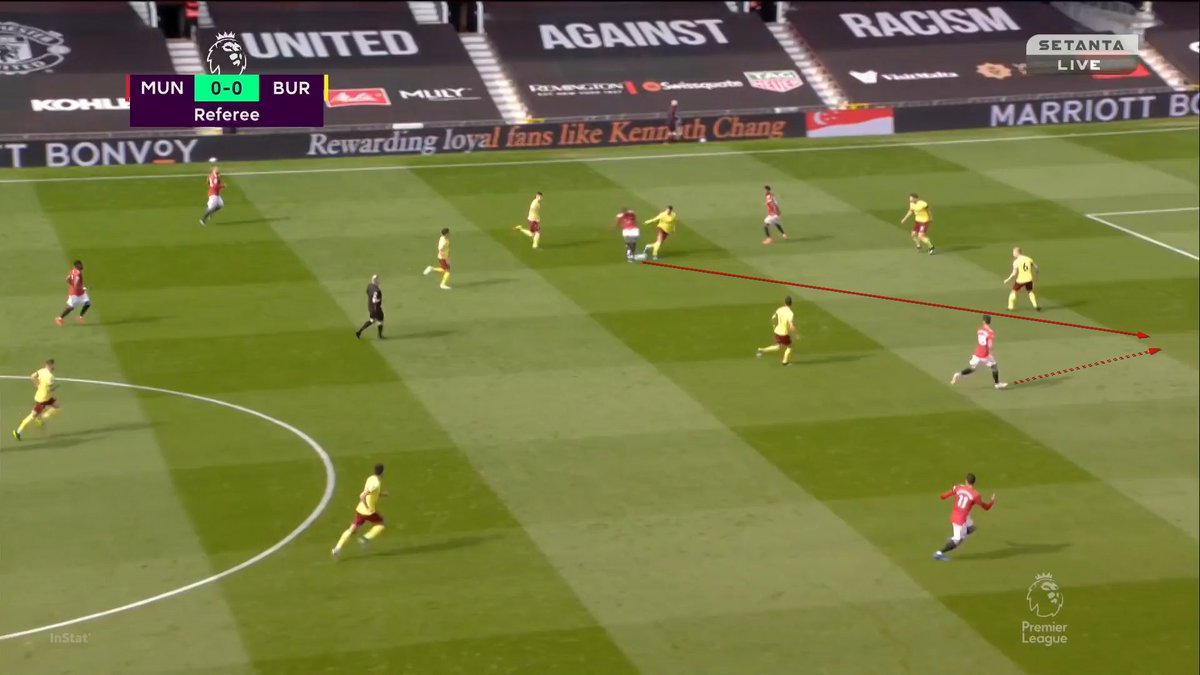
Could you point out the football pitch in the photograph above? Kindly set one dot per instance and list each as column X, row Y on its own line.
column 589, row 470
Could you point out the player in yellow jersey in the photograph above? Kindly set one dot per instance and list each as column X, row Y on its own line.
column 919, row 210
column 783, row 320
column 1024, row 273
column 365, row 512
column 443, row 256
column 45, row 405
column 665, row 222
column 534, row 220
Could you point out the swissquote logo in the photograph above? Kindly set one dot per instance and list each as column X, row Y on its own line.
column 779, row 81
column 342, row 98
column 25, row 49
column 1045, row 600
column 226, row 56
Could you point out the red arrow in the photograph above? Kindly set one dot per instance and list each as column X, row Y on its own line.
column 1138, row 334
column 1053, row 373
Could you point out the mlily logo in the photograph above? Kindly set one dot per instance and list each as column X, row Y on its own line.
column 866, row 77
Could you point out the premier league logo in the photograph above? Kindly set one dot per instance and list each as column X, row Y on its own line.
column 226, row 56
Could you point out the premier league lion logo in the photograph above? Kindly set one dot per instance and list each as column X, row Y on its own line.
column 225, row 56
column 1045, row 598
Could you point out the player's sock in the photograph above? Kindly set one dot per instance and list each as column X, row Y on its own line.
column 970, row 530
column 1012, row 300
column 537, row 238
column 787, row 355
column 772, row 348
column 25, row 423
column 445, row 277
column 523, row 231
column 373, row 532
column 344, row 538
column 780, row 228
column 48, row 413
column 654, row 248
column 927, row 241
column 767, row 231
column 630, row 249
column 88, row 305
column 1032, row 300
column 996, row 375
column 950, row 546
column 359, row 332
column 379, row 328
column 66, row 310
column 966, row 371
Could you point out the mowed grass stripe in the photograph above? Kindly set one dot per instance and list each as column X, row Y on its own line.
column 92, row 518
column 699, row 557
column 918, row 388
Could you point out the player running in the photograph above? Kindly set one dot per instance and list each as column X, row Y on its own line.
column 77, row 295
column 919, row 210
column 374, row 308
column 443, row 259
column 215, row 202
column 534, row 221
column 772, row 217
column 45, row 405
column 1024, row 273
column 784, row 324
column 665, row 227
column 365, row 512
column 965, row 498
column 627, row 221
column 984, row 341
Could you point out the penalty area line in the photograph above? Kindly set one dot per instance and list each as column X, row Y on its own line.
column 326, row 496
column 1096, row 217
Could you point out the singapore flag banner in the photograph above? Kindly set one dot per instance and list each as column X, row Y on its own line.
column 866, row 122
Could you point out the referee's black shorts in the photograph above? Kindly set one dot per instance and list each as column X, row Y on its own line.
column 376, row 313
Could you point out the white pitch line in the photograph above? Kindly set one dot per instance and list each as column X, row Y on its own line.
column 1141, row 236
column 1138, row 213
column 631, row 158
column 330, row 481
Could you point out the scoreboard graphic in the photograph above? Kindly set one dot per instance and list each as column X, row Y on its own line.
column 241, row 100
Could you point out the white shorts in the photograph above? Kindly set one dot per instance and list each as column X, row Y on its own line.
column 74, row 300
column 989, row 361
column 215, row 202
column 771, row 220
column 959, row 532
column 631, row 235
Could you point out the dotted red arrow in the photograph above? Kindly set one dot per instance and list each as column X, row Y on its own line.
column 1094, row 364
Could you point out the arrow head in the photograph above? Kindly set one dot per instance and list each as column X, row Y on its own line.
column 1155, row 350
column 1142, row 336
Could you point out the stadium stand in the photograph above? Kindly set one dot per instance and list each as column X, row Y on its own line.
column 383, row 67
column 1177, row 38
column 936, row 51
column 595, row 59
column 63, row 65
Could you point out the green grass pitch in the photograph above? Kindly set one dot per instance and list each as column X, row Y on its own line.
column 589, row 471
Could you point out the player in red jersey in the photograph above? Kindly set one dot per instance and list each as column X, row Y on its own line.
column 215, row 203
column 628, row 222
column 965, row 498
column 772, row 217
column 77, row 295
column 984, row 341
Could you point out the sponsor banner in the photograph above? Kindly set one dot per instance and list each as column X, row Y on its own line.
column 63, row 65
column 566, row 63
column 962, row 72
column 868, row 25
column 256, row 147
column 1048, row 112
column 1178, row 38
column 609, row 11
column 389, row 69
column 862, row 122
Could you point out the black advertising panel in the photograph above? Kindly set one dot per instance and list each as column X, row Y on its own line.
column 1044, row 112
column 383, row 68
column 63, row 65
column 1178, row 38
column 870, row 25
column 624, row 58
column 931, row 73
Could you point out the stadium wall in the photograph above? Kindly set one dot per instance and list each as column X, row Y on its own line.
column 108, row 151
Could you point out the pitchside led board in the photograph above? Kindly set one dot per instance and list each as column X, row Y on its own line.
column 1088, row 54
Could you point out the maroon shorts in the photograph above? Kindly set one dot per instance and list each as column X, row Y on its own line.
column 783, row 340
column 1028, row 285
column 444, row 264
column 39, row 407
column 359, row 519
column 921, row 228
column 663, row 234
column 535, row 226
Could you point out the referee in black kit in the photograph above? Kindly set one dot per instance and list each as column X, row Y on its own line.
column 374, row 308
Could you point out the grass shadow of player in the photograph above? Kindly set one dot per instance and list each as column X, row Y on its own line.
column 425, row 334
column 127, row 320
column 485, row 282
column 957, row 249
column 1068, row 305
column 1048, row 382
column 828, row 358
column 1014, row 550
column 245, row 221
column 59, row 441
column 432, row 547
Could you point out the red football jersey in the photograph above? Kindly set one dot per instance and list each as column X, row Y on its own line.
column 984, row 338
column 214, row 185
column 75, row 280
column 772, row 205
column 965, row 498
column 628, row 220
